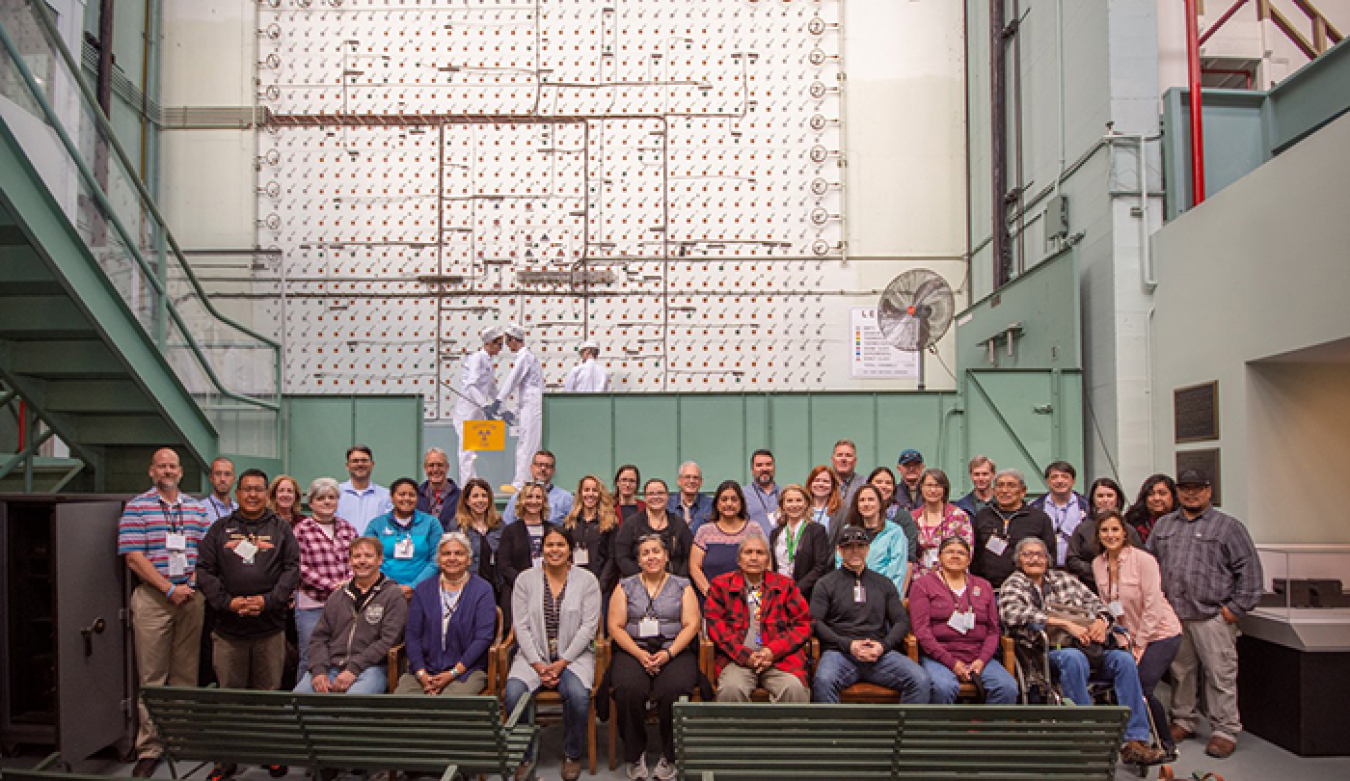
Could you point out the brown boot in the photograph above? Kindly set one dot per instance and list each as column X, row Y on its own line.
column 1179, row 733
column 571, row 769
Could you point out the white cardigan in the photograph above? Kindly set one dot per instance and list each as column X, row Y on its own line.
column 578, row 618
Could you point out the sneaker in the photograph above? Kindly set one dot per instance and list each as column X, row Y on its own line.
column 637, row 771
column 223, row 771
column 664, row 771
column 1137, row 752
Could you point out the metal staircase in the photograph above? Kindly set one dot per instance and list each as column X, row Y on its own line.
column 107, row 339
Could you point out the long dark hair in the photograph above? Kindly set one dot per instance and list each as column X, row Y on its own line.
column 1138, row 515
column 735, row 488
column 1106, row 482
column 854, row 517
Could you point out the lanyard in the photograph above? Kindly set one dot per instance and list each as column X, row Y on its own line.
column 760, row 496
column 169, row 518
column 956, row 598
column 1007, row 519
column 448, row 608
column 792, row 540
column 651, row 599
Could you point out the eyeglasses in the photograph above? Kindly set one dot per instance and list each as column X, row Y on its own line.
column 1034, row 556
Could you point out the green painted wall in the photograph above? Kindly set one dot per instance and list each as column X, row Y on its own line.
column 598, row 433
column 319, row 429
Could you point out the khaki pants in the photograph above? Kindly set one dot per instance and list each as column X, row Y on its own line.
column 737, row 683
column 167, row 640
column 249, row 663
column 1210, row 644
column 470, row 685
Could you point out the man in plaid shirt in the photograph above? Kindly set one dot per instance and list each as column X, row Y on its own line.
column 760, row 624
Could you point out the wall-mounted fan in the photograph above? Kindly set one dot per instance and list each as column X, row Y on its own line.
column 915, row 310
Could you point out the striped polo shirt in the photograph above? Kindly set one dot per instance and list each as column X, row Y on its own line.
column 146, row 520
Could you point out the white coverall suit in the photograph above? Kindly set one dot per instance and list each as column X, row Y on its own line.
column 478, row 386
column 589, row 377
column 527, row 382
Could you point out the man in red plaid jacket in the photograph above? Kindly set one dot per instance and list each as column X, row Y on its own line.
column 761, row 625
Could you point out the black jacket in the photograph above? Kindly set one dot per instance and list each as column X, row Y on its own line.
column 679, row 541
column 1025, row 521
column 273, row 571
column 839, row 620
column 814, row 557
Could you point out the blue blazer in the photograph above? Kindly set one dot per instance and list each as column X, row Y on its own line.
column 448, row 509
column 468, row 636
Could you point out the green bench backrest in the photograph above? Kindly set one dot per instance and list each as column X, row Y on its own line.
column 930, row 742
column 392, row 732
column 221, row 725
column 786, row 741
column 1011, row 742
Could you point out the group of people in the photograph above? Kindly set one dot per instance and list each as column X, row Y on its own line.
column 762, row 568
column 478, row 397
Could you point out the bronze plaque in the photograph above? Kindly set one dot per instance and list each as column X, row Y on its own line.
column 1195, row 412
column 1207, row 461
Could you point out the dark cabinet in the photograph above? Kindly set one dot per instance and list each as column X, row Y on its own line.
column 63, row 637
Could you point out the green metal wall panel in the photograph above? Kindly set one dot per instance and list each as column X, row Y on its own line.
column 658, row 432
column 1043, row 306
column 319, row 429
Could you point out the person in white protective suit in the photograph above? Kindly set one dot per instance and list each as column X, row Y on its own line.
column 477, row 392
column 527, row 382
column 588, row 376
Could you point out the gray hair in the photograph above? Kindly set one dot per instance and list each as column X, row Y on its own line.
column 694, row 464
column 755, row 534
column 458, row 537
column 320, row 487
column 1013, row 473
column 435, row 451
column 1028, row 542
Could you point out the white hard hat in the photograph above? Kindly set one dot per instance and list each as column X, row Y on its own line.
column 491, row 334
column 515, row 332
column 589, row 345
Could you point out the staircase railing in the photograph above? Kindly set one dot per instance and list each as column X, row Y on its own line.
column 232, row 371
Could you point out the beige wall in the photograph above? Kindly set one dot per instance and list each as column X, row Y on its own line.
column 1259, row 271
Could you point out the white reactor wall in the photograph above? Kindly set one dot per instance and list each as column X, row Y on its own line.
column 677, row 181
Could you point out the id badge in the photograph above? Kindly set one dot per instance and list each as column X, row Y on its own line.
column 246, row 550
column 772, row 517
column 175, row 542
column 1117, row 609
column 648, row 627
column 177, row 564
column 581, row 555
column 930, row 558
column 961, row 622
column 996, row 545
column 859, row 593
column 403, row 549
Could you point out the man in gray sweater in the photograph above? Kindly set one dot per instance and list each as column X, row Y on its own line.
column 862, row 623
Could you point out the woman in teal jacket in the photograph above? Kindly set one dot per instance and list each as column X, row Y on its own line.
column 408, row 536
column 889, row 553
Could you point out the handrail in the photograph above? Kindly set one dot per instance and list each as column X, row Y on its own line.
column 100, row 196
column 54, row 37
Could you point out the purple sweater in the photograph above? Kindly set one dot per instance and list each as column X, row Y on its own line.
column 931, row 603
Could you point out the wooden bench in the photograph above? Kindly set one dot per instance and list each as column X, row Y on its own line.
column 930, row 742
column 442, row 735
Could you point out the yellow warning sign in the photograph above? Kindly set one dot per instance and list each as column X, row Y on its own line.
column 484, row 435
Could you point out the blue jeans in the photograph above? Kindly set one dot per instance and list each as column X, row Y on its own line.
column 1118, row 667
column 305, row 621
column 372, row 680
column 999, row 686
column 576, row 700
column 893, row 670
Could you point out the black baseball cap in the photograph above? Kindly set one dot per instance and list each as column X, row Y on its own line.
column 910, row 457
column 1193, row 477
column 853, row 535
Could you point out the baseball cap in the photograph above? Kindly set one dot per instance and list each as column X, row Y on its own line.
column 910, row 457
column 1193, row 477
column 853, row 535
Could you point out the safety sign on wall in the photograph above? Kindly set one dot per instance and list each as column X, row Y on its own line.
column 872, row 357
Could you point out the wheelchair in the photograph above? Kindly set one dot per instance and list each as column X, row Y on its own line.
column 1037, row 685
